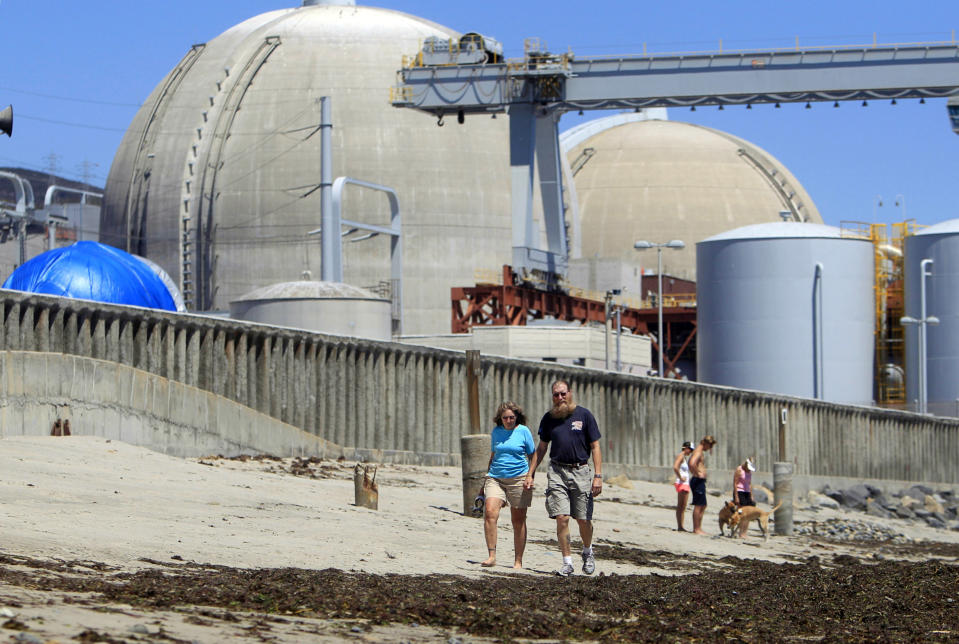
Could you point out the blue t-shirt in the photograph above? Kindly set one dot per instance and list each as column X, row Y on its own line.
column 510, row 451
column 570, row 437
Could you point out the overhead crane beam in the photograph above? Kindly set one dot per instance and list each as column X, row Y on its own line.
column 536, row 90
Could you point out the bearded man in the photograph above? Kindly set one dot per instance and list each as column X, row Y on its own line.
column 573, row 436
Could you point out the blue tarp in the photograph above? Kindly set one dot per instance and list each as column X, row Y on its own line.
column 87, row 270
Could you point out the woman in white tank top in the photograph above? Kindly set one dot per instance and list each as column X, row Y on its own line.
column 681, row 468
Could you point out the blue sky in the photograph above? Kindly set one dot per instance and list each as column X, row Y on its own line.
column 75, row 73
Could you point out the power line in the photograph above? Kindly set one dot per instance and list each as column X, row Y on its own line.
column 67, row 123
column 69, row 98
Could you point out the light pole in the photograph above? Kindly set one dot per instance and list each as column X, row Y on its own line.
column 610, row 294
column 921, row 323
column 901, row 202
column 675, row 244
column 876, row 205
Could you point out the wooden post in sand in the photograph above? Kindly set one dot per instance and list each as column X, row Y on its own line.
column 474, row 447
column 366, row 492
column 474, row 454
column 783, row 483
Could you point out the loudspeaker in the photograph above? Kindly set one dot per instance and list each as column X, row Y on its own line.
column 6, row 121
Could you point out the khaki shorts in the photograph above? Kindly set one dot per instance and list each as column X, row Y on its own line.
column 569, row 491
column 509, row 491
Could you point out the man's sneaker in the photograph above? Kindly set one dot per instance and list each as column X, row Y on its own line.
column 589, row 563
column 566, row 570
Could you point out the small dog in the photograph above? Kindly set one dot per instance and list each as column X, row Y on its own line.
column 726, row 514
column 749, row 512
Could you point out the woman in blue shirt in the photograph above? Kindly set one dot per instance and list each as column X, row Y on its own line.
column 512, row 445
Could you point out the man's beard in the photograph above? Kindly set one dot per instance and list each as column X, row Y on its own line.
column 563, row 408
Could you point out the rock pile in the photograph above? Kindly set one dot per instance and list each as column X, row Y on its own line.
column 938, row 509
column 849, row 530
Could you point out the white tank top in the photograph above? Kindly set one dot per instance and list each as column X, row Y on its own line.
column 684, row 471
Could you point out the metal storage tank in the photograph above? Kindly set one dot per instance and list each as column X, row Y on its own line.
column 646, row 178
column 940, row 243
column 326, row 307
column 217, row 177
column 787, row 308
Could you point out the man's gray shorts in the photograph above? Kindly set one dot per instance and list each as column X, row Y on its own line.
column 569, row 491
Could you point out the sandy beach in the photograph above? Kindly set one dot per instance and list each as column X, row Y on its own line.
column 89, row 506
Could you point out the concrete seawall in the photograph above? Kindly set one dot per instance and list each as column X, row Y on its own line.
column 122, row 403
column 407, row 403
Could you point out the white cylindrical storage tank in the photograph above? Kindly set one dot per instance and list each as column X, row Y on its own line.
column 787, row 308
column 940, row 243
column 326, row 307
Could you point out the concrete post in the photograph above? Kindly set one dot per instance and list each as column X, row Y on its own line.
column 474, row 454
column 783, row 490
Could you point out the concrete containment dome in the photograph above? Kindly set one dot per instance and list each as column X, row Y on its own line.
column 660, row 180
column 217, row 178
column 940, row 243
column 326, row 307
column 787, row 308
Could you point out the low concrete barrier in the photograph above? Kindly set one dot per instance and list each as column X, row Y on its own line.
column 396, row 402
column 114, row 401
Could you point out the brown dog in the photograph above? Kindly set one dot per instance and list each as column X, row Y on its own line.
column 749, row 512
column 726, row 514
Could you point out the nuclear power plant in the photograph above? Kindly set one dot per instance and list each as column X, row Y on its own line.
column 483, row 217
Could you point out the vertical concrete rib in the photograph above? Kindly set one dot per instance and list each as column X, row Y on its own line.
column 193, row 339
column 264, row 381
column 297, row 377
column 70, row 333
column 289, row 377
column 321, row 389
column 168, row 352
column 99, row 348
column 240, row 349
column 310, row 388
column 367, row 398
column 340, row 417
column 220, row 370
column 26, row 328
column 42, row 330
column 385, row 430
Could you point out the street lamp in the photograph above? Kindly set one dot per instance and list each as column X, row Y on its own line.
column 901, row 202
column 876, row 205
column 610, row 294
column 921, row 323
column 675, row 244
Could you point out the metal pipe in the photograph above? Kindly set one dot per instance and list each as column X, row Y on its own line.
column 329, row 235
column 924, row 272
column 659, row 302
column 606, row 329
column 619, row 334
column 818, row 389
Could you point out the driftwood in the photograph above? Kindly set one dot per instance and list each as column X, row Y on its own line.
column 364, row 485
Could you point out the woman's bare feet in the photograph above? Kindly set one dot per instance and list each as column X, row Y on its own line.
column 517, row 565
column 491, row 560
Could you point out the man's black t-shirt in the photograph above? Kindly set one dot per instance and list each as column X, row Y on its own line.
column 570, row 437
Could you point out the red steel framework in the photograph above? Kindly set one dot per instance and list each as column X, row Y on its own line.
column 509, row 304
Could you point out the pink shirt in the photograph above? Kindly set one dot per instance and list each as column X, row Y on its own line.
column 745, row 481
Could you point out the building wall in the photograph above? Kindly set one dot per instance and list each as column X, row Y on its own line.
column 568, row 345
column 384, row 396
